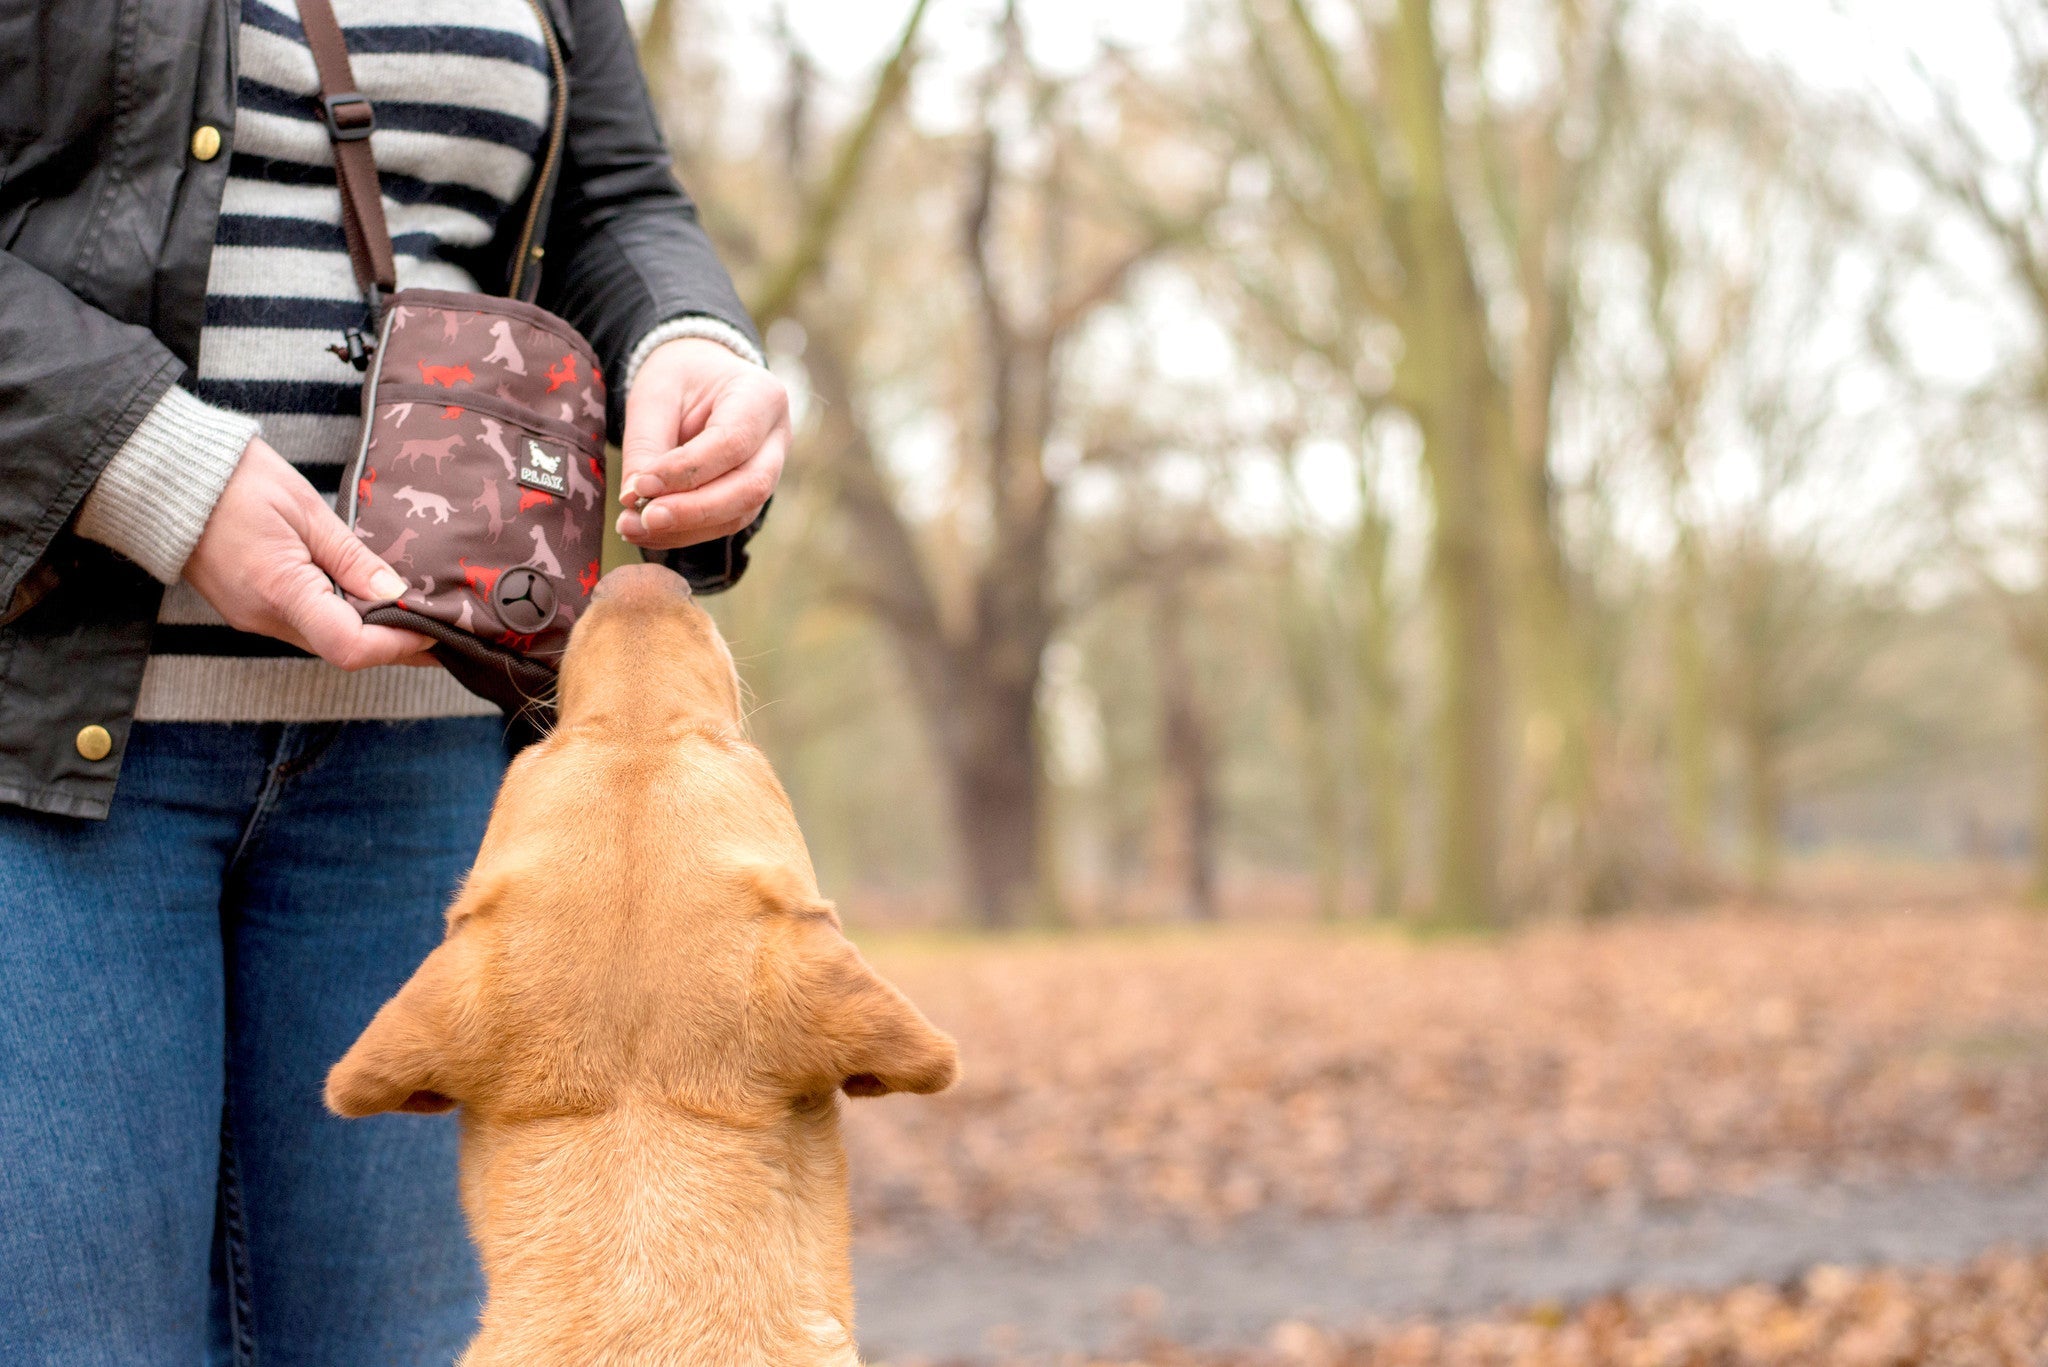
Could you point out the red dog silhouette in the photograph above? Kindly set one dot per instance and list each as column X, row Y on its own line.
column 533, row 498
column 448, row 376
column 561, row 373
column 588, row 579
column 480, row 578
column 363, row 486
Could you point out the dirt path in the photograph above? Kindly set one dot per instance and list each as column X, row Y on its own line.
column 967, row 1302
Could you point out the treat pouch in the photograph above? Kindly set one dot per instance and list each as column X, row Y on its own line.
column 480, row 478
column 479, row 475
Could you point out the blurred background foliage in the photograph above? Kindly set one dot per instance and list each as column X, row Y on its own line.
column 1456, row 461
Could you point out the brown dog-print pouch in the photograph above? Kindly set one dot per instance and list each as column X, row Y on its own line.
column 480, row 479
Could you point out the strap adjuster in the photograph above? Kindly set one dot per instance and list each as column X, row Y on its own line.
column 356, row 127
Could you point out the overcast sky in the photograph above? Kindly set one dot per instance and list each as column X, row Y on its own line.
column 1837, row 44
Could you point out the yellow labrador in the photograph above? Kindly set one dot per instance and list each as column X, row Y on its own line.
column 646, row 1014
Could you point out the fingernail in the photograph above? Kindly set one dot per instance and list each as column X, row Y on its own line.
column 658, row 519
column 644, row 488
column 624, row 530
column 387, row 584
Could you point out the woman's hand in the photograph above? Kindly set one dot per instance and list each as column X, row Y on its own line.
column 706, row 435
column 265, row 558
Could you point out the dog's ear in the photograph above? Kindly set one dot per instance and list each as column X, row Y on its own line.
column 875, row 1041
column 401, row 1060
column 858, row 1032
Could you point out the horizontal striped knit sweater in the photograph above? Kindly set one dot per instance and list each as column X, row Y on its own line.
column 462, row 94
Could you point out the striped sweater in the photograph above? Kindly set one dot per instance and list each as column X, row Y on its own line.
column 462, row 94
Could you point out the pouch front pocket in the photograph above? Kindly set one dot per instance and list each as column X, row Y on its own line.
column 466, row 346
column 492, row 516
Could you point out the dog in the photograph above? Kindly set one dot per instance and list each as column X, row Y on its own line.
column 646, row 1013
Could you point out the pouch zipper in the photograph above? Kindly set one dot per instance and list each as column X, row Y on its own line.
column 557, row 129
column 352, row 480
column 504, row 410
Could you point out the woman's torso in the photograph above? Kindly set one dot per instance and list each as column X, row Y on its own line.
column 461, row 93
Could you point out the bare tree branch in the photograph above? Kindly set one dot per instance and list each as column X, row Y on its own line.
column 823, row 213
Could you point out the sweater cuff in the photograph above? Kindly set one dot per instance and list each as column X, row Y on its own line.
column 152, row 499
column 690, row 325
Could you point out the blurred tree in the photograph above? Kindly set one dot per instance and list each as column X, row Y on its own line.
column 971, row 597
column 1393, row 192
column 1185, row 831
column 1454, row 235
column 1702, row 152
column 1685, row 367
column 1991, row 171
column 1798, row 628
column 688, row 88
column 1311, row 642
column 1378, row 716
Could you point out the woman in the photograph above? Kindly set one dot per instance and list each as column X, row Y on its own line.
column 181, row 958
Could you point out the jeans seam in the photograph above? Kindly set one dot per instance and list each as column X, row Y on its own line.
column 235, row 1246
column 316, row 739
column 298, row 749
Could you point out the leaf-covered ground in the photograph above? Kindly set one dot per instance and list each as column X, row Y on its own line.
column 1993, row 1313
column 1194, row 1079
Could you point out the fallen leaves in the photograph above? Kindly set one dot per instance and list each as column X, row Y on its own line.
column 1198, row 1079
column 1994, row 1313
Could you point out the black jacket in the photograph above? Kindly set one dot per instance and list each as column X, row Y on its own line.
column 107, row 223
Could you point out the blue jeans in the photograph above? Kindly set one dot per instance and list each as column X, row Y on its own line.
column 174, row 984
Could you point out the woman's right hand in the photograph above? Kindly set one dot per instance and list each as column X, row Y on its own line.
column 265, row 559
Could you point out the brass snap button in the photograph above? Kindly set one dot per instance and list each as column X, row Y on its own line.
column 94, row 743
column 206, row 142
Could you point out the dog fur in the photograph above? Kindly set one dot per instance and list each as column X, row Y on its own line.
column 646, row 1014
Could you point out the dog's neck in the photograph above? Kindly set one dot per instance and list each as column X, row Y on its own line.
column 624, row 1239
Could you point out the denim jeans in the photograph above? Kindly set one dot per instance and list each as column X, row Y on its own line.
column 174, row 984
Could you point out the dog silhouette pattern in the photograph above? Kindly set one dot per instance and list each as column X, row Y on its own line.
column 503, row 351
column 436, row 451
column 399, row 552
column 448, row 376
column 460, row 390
column 488, row 502
column 494, row 438
column 543, row 554
column 420, row 503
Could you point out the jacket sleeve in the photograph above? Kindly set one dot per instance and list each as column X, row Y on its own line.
column 625, row 252
column 74, row 384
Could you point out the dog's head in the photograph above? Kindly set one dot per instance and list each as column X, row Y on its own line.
column 642, row 923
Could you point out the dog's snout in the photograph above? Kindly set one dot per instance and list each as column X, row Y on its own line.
column 627, row 580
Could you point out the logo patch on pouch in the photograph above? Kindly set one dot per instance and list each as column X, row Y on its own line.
column 544, row 468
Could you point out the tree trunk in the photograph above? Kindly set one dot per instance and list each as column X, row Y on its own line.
column 1447, row 381
column 1305, row 629
column 1453, row 376
column 1187, row 833
column 991, row 758
column 1763, row 804
column 2039, row 890
column 1554, row 660
column 1383, row 776
column 1692, row 736
column 1468, row 724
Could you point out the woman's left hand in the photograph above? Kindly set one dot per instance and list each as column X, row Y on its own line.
column 706, row 434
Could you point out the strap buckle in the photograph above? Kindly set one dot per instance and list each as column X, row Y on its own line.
column 353, row 130
column 355, row 347
column 359, row 344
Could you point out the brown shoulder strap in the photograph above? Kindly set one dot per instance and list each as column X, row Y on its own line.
column 350, row 121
